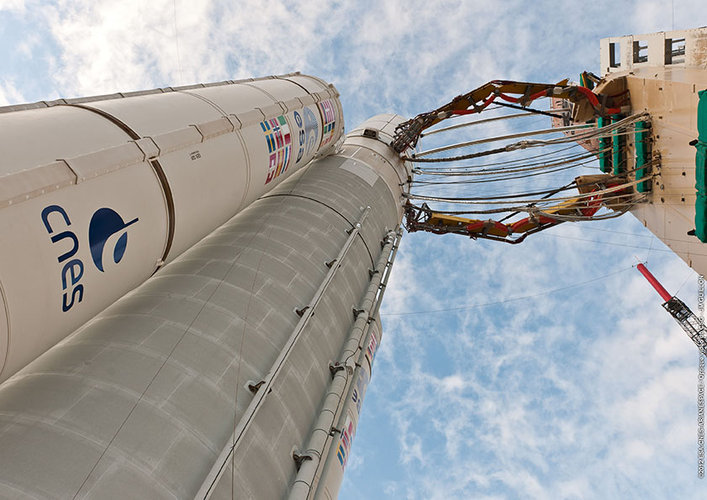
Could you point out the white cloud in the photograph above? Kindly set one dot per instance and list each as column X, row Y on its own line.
column 657, row 15
column 12, row 5
column 108, row 46
column 452, row 383
column 27, row 46
column 9, row 94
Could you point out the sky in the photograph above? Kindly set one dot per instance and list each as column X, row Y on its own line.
column 541, row 370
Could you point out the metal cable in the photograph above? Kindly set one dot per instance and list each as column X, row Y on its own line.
column 508, row 169
column 606, row 131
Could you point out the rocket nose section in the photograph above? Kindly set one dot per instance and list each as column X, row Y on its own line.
column 384, row 124
column 369, row 143
column 376, row 134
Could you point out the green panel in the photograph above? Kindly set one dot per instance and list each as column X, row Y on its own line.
column 642, row 155
column 617, row 147
column 701, row 217
column 584, row 81
column 604, row 157
column 701, row 169
column 702, row 116
column 700, row 166
column 700, row 174
column 701, row 187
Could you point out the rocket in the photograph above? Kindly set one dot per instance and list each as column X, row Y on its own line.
column 189, row 288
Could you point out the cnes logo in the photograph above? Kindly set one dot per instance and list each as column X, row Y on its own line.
column 104, row 224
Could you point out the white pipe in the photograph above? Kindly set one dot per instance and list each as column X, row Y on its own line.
column 332, row 407
column 322, row 491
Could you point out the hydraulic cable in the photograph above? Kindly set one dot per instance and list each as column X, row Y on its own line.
column 603, row 132
column 519, row 208
column 579, row 159
column 501, row 200
column 424, row 184
column 516, row 167
column 498, row 179
column 535, row 111
column 528, row 112
column 544, row 197
column 555, row 130
column 506, row 162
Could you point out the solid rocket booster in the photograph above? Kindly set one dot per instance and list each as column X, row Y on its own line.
column 96, row 194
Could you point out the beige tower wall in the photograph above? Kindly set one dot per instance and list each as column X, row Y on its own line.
column 666, row 86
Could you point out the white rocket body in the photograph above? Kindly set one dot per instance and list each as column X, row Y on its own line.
column 96, row 195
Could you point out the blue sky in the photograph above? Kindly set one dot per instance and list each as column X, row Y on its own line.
column 543, row 370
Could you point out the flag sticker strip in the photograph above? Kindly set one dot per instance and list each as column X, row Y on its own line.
column 371, row 351
column 329, row 120
column 347, row 435
column 279, row 141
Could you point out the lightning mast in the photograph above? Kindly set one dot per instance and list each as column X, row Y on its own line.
column 693, row 326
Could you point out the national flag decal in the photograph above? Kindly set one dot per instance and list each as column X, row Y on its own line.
column 279, row 141
column 329, row 121
column 345, row 441
column 371, row 351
